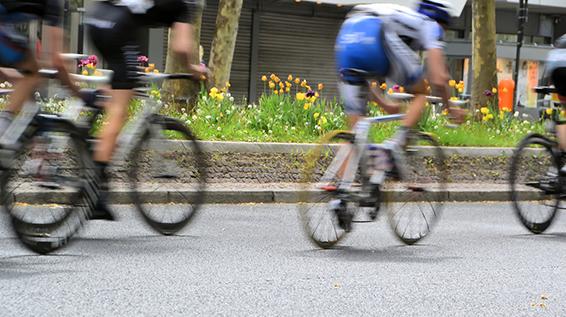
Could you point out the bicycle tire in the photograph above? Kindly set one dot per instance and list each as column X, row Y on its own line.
column 419, row 185
column 520, row 176
column 68, row 206
column 311, row 195
column 192, row 176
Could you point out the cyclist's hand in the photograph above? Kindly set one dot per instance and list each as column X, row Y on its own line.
column 200, row 71
column 457, row 115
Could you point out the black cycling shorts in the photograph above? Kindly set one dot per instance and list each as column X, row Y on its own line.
column 115, row 34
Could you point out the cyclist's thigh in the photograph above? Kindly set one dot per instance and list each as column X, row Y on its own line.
column 114, row 33
column 354, row 96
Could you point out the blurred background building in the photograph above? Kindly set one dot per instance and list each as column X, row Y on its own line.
column 297, row 37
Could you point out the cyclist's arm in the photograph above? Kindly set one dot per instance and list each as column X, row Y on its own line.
column 438, row 75
column 386, row 105
column 55, row 35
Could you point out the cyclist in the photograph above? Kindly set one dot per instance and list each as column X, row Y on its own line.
column 556, row 72
column 381, row 41
column 113, row 27
column 16, row 53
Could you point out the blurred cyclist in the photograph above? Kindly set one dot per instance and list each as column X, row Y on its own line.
column 16, row 53
column 383, row 41
column 555, row 70
column 114, row 28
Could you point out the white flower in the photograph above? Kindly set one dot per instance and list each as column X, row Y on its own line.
column 231, row 99
column 189, row 122
column 516, row 114
column 525, row 115
column 292, row 128
column 218, row 129
column 249, row 106
column 194, row 116
column 228, row 112
column 208, row 117
column 2, row 85
column 183, row 110
column 270, row 132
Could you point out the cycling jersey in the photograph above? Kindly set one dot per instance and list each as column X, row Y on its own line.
column 17, row 11
column 382, row 41
column 114, row 28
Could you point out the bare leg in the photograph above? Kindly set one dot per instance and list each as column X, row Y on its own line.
column 25, row 86
column 416, row 107
column 116, row 114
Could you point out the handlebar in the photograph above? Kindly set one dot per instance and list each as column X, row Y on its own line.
column 545, row 90
column 432, row 99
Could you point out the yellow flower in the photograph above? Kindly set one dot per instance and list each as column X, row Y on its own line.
column 151, row 65
column 501, row 114
column 316, row 94
column 489, row 116
column 485, row 118
column 271, row 85
column 263, row 78
column 281, row 85
column 453, row 98
column 90, row 66
column 276, row 79
column 85, row 72
column 484, row 110
column 316, row 115
column 320, row 86
column 322, row 121
column 452, row 83
column 97, row 73
column 390, row 91
column 213, row 91
column 276, row 92
column 228, row 85
column 445, row 112
column 460, row 89
column 401, row 89
column 272, row 77
column 304, row 83
column 297, row 80
column 300, row 96
column 494, row 90
column 281, row 91
column 287, row 90
column 147, row 69
column 307, row 106
column 504, row 90
column 290, row 77
column 383, row 86
column 288, row 84
column 220, row 97
column 549, row 111
column 312, row 99
column 156, row 71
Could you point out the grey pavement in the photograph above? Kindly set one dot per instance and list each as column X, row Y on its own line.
column 253, row 260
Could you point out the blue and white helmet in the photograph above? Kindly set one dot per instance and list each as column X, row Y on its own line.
column 438, row 10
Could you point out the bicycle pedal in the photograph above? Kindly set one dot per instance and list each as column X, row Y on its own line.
column 49, row 185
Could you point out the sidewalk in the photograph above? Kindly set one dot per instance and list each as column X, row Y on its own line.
column 234, row 193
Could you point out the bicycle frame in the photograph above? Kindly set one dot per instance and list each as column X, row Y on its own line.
column 356, row 153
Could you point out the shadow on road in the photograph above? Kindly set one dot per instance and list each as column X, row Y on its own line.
column 393, row 254
column 30, row 265
column 556, row 236
column 134, row 245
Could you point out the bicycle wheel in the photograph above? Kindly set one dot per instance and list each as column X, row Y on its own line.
column 171, row 174
column 43, row 189
column 415, row 203
column 320, row 221
column 534, row 181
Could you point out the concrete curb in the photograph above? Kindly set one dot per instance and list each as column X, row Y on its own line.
column 279, row 194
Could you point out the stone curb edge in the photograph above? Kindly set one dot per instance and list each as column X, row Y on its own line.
column 277, row 196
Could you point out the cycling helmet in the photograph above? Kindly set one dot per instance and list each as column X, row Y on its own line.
column 438, row 10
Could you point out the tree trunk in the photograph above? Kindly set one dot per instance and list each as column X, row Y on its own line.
column 484, row 55
column 224, row 42
column 182, row 91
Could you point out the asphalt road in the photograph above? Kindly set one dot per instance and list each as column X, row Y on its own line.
column 254, row 260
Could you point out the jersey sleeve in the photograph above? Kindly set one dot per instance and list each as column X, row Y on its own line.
column 432, row 35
